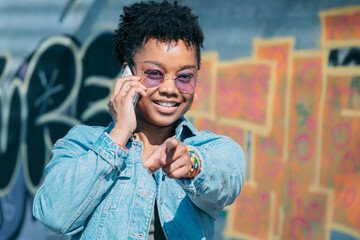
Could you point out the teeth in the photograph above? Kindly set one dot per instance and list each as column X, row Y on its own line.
column 166, row 104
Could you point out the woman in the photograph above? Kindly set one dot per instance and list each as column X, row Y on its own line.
column 149, row 174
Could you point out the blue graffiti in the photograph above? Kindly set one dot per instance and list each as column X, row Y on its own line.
column 59, row 85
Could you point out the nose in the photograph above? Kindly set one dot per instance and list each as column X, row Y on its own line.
column 168, row 86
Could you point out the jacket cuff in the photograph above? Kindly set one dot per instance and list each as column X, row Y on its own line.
column 110, row 151
column 199, row 183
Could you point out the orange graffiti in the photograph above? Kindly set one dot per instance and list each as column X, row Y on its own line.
column 299, row 122
column 307, row 76
column 341, row 26
column 252, row 213
column 305, row 216
column 268, row 158
column 205, row 90
column 347, row 202
column 245, row 92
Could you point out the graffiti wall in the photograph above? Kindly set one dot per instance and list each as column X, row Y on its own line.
column 61, row 85
column 298, row 116
column 296, row 113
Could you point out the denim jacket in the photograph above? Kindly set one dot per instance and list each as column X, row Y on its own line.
column 95, row 189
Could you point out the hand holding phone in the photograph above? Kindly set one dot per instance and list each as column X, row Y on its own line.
column 127, row 71
column 126, row 89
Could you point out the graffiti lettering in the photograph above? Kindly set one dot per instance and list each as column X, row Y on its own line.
column 248, row 206
column 61, row 85
column 300, row 228
column 303, row 147
column 341, row 135
column 292, row 189
column 349, row 197
column 315, row 212
column 311, row 73
column 273, row 163
column 349, row 163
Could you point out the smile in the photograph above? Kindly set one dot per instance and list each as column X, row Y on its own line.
column 167, row 104
column 166, row 107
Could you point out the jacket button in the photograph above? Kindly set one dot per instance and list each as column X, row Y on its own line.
column 138, row 234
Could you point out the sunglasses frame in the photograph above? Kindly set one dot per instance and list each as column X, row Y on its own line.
column 172, row 77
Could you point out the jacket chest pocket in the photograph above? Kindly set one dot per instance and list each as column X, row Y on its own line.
column 119, row 189
column 175, row 188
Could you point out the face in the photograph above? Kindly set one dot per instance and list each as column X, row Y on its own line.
column 164, row 104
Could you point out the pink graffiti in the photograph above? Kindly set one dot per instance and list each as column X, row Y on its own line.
column 356, row 18
column 348, row 163
column 223, row 87
column 342, row 24
column 292, row 189
column 263, row 197
column 315, row 212
column 340, row 128
column 248, row 207
column 299, row 203
column 248, row 89
column 255, row 96
column 349, row 197
column 311, row 123
column 222, row 81
column 253, row 89
column 314, row 79
column 302, row 223
column 260, row 74
column 250, row 86
column 276, row 164
column 303, row 138
column 257, row 115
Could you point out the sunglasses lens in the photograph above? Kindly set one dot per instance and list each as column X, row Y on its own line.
column 185, row 81
column 153, row 77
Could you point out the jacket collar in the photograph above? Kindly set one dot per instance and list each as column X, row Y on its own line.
column 183, row 129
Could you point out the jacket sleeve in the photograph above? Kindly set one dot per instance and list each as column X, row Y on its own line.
column 221, row 177
column 78, row 175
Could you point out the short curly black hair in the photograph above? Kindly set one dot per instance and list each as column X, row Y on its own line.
column 160, row 20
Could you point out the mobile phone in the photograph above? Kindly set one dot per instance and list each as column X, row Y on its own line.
column 127, row 71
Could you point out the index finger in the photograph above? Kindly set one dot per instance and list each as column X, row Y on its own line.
column 153, row 161
column 171, row 143
column 161, row 156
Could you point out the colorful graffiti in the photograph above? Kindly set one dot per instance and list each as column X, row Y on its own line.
column 304, row 119
column 61, row 85
column 296, row 113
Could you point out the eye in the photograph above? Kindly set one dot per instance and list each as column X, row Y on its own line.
column 154, row 73
column 185, row 77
